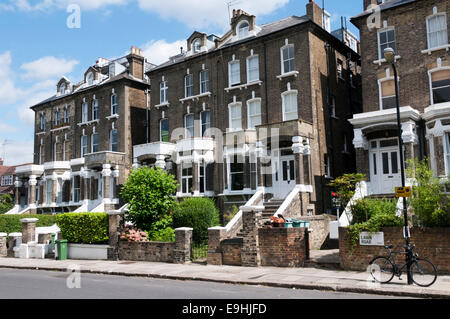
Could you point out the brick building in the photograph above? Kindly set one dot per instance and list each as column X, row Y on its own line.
column 417, row 31
column 83, row 139
column 7, row 174
column 262, row 109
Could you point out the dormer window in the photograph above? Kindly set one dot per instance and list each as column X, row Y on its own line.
column 90, row 78
column 196, row 45
column 243, row 29
column 62, row 89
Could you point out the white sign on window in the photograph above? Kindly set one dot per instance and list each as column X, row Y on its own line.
column 371, row 239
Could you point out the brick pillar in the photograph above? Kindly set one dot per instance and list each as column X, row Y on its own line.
column 28, row 229
column 183, row 245
column 116, row 221
column 3, row 248
column 215, row 236
column 15, row 239
column 251, row 219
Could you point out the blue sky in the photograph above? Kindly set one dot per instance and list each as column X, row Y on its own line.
column 37, row 47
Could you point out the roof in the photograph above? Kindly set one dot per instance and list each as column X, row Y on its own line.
column 266, row 29
column 121, row 76
column 384, row 6
column 7, row 171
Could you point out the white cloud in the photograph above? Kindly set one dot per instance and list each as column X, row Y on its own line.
column 43, row 5
column 47, row 67
column 159, row 51
column 201, row 13
column 8, row 91
column 5, row 128
column 18, row 152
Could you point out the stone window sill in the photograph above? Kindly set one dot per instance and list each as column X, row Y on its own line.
column 88, row 123
column 243, row 86
column 162, row 104
column 381, row 61
column 114, row 116
column 195, row 97
column 292, row 73
column 442, row 47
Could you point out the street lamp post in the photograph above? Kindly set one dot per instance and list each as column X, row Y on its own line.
column 389, row 55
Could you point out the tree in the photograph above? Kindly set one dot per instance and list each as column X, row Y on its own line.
column 6, row 203
column 149, row 193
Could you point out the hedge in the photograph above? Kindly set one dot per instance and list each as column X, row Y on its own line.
column 199, row 214
column 84, row 228
column 11, row 223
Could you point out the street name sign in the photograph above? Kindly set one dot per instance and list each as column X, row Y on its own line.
column 371, row 239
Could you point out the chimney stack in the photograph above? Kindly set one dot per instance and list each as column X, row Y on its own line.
column 314, row 12
column 136, row 61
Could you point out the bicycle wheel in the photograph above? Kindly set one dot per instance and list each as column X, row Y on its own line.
column 381, row 269
column 423, row 272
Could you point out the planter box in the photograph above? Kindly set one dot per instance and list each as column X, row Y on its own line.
column 89, row 252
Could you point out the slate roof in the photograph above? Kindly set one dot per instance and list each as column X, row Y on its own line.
column 385, row 6
column 266, row 29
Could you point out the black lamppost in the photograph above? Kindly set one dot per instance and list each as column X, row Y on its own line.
column 389, row 55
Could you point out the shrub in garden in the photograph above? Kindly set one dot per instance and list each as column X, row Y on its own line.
column 163, row 235
column 197, row 213
column 6, row 203
column 149, row 193
column 84, row 228
column 364, row 209
column 428, row 202
column 12, row 224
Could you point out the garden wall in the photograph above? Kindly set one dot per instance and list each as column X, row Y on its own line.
column 146, row 251
column 431, row 243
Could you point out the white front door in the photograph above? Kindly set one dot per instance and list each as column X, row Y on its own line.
column 284, row 177
column 384, row 166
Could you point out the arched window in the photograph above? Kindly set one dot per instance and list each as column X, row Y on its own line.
column 196, row 45
column 90, row 78
column 243, row 29
column 62, row 88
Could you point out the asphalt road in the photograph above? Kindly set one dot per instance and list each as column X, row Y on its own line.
column 26, row 284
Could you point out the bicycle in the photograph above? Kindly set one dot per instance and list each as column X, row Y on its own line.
column 383, row 269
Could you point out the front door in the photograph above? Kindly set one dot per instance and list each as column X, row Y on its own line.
column 385, row 166
column 284, row 177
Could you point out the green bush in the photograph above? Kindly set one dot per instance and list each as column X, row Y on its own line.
column 11, row 223
column 84, row 228
column 6, row 203
column 364, row 209
column 197, row 213
column 164, row 235
column 428, row 202
column 149, row 193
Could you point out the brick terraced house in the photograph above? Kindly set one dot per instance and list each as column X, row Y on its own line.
column 417, row 30
column 84, row 136
column 257, row 115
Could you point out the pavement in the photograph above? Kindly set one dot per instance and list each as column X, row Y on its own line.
column 299, row 278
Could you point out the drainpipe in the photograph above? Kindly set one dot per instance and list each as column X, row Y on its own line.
column 147, row 126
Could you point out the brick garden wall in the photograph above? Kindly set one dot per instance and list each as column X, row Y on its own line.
column 231, row 251
column 147, row 251
column 431, row 243
column 283, row 247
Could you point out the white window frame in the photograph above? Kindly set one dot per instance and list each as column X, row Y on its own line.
column 243, row 32
column 84, row 148
column 199, row 41
column 66, row 115
column 92, row 143
column 90, row 78
column 230, row 119
column 111, row 140
column 114, row 106
column 57, row 117
column 287, row 46
column 381, row 54
column 190, row 129
column 186, row 86
column 187, row 178
column 84, row 112
column 62, row 89
column 249, row 79
column 204, row 124
column 430, row 73
column 283, row 99
column 163, row 92
column 250, row 125
column 204, row 84
column 95, row 110
column 230, row 78
column 43, row 122
column 428, row 30
column 7, row 180
column 380, row 90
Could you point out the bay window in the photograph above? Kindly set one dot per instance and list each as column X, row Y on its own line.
column 84, row 145
column 237, row 173
column 186, row 178
column 189, row 125
column 206, row 122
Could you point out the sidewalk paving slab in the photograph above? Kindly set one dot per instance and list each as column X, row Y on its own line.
column 299, row 278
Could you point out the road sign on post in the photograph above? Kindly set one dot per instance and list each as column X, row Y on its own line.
column 403, row 192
